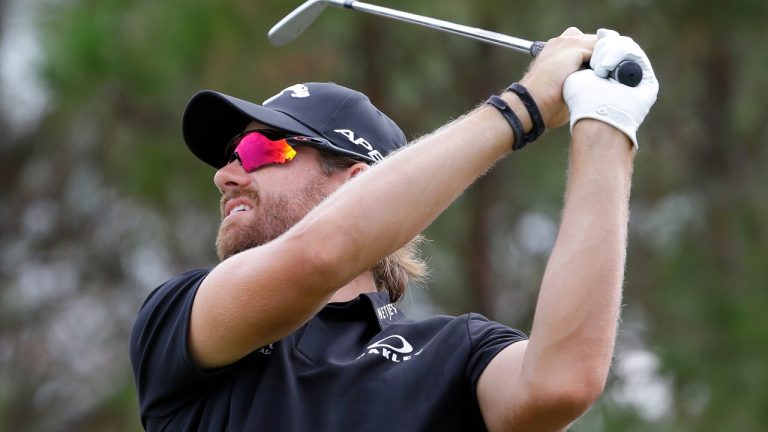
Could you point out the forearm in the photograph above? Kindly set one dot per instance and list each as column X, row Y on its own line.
column 387, row 206
column 576, row 316
column 548, row 382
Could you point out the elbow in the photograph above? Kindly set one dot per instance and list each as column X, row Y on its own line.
column 581, row 395
column 567, row 399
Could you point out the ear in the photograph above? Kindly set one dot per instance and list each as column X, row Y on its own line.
column 356, row 170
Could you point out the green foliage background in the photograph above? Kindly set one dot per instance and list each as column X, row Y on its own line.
column 100, row 200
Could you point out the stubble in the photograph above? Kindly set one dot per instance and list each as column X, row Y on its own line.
column 274, row 214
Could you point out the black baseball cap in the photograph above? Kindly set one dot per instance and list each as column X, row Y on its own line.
column 345, row 118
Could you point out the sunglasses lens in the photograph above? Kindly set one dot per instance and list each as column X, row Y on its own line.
column 256, row 150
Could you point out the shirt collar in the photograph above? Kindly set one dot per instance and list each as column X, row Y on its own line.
column 383, row 309
column 375, row 306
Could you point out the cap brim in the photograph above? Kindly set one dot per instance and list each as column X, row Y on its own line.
column 212, row 119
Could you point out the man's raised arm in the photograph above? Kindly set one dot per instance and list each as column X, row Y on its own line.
column 546, row 383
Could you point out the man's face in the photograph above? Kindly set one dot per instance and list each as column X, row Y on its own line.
column 258, row 207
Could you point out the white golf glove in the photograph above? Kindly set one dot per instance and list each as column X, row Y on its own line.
column 590, row 93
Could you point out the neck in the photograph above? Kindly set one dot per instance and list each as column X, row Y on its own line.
column 359, row 285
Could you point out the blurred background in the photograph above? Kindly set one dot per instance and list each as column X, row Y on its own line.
column 100, row 201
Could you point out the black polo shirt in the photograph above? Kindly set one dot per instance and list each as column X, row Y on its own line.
column 355, row 366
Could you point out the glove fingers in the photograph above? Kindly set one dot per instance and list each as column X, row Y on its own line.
column 603, row 32
column 610, row 51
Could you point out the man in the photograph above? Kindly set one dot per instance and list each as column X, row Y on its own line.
column 295, row 328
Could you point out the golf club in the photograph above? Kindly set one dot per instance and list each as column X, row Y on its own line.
column 295, row 23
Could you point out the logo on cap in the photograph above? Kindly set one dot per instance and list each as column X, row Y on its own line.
column 297, row 91
column 350, row 135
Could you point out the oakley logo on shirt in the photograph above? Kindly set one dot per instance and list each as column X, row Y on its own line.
column 393, row 348
column 404, row 346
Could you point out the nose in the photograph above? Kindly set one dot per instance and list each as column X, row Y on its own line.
column 231, row 177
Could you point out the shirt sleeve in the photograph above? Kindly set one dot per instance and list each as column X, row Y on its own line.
column 487, row 339
column 165, row 375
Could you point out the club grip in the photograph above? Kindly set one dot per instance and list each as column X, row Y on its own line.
column 536, row 48
column 627, row 72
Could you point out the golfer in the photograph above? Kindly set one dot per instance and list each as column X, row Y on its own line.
column 322, row 203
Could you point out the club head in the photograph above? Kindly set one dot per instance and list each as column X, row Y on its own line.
column 294, row 24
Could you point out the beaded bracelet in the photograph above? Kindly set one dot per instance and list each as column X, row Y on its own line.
column 533, row 111
column 512, row 119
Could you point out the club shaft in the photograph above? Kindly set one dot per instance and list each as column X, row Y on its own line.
column 627, row 72
column 511, row 42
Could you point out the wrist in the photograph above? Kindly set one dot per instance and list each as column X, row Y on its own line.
column 549, row 106
column 518, row 107
column 512, row 119
column 598, row 134
column 521, row 111
column 608, row 115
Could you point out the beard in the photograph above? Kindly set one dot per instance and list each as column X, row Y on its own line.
column 272, row 215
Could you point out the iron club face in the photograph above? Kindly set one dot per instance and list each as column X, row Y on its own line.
column 296, row 22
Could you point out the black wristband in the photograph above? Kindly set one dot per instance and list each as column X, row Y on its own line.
column 511, row 117
column 533, row 111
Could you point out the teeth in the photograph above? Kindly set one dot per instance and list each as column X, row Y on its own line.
column 241, row 207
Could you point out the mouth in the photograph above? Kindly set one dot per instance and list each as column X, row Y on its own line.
column 238, row 209
column 236, row 206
